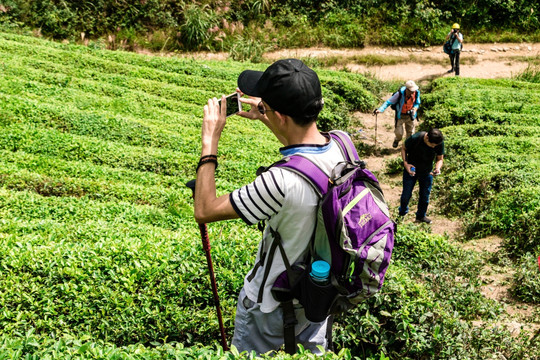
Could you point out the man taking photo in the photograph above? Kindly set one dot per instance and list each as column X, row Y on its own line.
column 287, row 98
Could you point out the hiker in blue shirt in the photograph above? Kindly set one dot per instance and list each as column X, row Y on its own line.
column 456, row 41
column 418, row 153
column 405, row 102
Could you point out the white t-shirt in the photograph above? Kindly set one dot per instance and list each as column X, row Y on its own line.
column 288, row 203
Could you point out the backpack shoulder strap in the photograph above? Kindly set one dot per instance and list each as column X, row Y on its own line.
column 308, row 170
column 346, row 145
column 311, row 172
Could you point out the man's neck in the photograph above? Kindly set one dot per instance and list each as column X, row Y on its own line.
column 305, row 135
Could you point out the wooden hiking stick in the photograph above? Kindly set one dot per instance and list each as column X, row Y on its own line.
column 206, row 246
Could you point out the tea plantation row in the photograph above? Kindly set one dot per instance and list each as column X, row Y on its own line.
column 493, row 130
column 100, row 257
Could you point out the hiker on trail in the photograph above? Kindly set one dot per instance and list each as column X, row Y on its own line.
column 286, row 98
column 418, row 153
column 405, row 102
column 456, row 42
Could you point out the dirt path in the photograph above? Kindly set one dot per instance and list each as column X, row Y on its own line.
column 477, row 60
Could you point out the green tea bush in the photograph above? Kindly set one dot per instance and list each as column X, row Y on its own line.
column 356, row 96
column 100, row 256
column 515, row 213
column 429, row 284
column 350, row 92
column 393, row 166
column 488, row 129
column 527, row 279
column 492, row 156
column 497, row 186
column 96, row 148
column 335, row 113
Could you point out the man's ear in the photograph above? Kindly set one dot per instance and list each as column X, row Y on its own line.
column 283, row 119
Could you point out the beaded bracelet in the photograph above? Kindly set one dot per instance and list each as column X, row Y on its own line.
column 207, row 159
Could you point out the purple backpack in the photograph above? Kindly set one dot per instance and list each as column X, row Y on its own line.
column 354, row 234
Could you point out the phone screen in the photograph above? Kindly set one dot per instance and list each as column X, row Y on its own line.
column 233, row 104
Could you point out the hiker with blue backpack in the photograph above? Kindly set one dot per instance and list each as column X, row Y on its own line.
column 287, row 299
column 405, row 102
column 418, row 153
column 453, row 47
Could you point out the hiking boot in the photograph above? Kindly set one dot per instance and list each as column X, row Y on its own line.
column 450, row 71
column 395, row 143
column 424, row 220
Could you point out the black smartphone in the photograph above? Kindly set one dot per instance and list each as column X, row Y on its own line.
column 233, row 104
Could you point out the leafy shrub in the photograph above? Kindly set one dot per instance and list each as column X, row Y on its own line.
column 247, row 49
column 154, row 24
column 350, row 92
column 100, row 256
column 516, row 214
column 527, row 279
column 429, row 282
column 531, row 74
column 394, row 166
column 493, row 158
column 197, row 21
column 335, row 113
column 348, row 32
column 356, row 96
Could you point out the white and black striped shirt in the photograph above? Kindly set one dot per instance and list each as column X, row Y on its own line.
column 288, row 203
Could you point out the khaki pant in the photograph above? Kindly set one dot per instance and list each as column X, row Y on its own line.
column 409, row 127
column 263, row 332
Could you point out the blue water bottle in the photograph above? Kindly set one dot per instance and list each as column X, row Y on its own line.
column 320, row 272
column 413, row 170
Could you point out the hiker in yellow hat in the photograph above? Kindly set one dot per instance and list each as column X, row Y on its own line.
column 455, row 40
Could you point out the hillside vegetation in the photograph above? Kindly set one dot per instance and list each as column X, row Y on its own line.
column 493, row 129
column 100, row 257
column 247, row 28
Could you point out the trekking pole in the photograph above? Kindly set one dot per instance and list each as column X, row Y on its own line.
column 206, row 246
column 375, row 131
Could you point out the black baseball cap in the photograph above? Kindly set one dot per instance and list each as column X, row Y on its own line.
column 288, row 86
